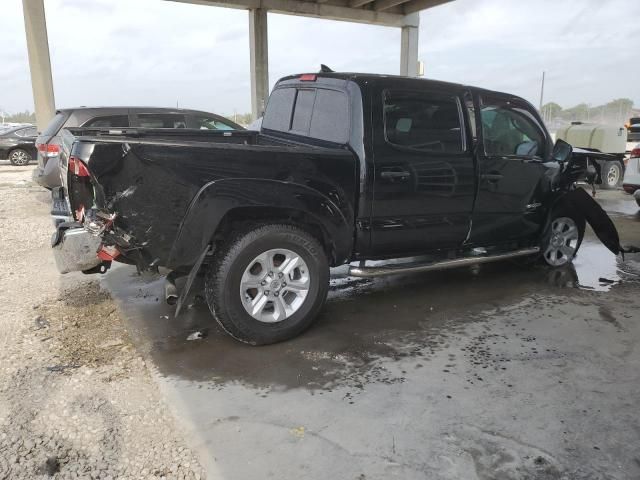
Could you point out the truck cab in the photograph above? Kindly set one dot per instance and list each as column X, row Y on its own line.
column 442, row 165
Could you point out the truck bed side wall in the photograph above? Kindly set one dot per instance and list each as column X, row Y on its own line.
column 170, row 198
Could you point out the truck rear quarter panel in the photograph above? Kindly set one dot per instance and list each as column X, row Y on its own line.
column 170, row 198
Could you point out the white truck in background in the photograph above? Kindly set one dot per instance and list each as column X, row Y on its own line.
column 605, row 146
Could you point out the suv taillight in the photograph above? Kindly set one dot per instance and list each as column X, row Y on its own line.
column 78, row 168
column 635, row 153
column 48, row 149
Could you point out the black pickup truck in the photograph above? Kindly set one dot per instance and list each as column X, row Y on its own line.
column 346, row 168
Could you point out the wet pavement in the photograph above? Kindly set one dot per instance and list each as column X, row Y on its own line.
column 499, row 372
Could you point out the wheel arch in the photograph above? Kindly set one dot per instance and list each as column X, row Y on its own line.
column 220, row 206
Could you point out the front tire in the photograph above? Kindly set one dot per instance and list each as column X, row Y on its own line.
column 611, row 175
column 268, row 283
column 19, row 157
column 562, row 238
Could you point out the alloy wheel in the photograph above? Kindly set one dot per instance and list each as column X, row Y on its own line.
column 563, row 242
column 19, row 158
column 274, row 285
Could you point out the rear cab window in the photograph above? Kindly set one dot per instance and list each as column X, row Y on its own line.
column 314, row 112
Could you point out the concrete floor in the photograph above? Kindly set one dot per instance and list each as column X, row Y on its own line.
column 495, row 373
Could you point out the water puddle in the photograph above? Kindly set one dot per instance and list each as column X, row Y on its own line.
column 596, row 268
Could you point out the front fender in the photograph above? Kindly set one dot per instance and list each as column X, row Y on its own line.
column 216, row 199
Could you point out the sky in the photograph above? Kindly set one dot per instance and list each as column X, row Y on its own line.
column 162, row 53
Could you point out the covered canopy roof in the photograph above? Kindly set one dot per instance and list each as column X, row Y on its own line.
column 392, row 13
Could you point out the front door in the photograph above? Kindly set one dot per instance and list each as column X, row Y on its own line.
column 512, row 181
column 424, row 172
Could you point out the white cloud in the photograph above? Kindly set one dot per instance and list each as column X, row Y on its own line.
column 155, row 52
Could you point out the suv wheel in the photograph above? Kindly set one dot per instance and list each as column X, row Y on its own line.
column 19, row 157
column 267, row 284
column 611, row 175
column 562, row 239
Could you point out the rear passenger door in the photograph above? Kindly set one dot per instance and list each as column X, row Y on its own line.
column 424, row 182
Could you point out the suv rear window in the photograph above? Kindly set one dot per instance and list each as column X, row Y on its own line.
column 55, row 124
column 312, row 112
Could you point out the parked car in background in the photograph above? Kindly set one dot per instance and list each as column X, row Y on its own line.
column 18, row 144
column 631, row 182
column 48, row 143
column 633, row 130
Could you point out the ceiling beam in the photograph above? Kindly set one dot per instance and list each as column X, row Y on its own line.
column 381, row 5
column 358, row 3
column 418, row 5
column 319, row 10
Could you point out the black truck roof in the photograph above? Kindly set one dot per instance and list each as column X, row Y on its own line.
column 394, row 81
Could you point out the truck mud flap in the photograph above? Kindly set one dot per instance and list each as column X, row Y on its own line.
column 593, row 213
column 189, row 283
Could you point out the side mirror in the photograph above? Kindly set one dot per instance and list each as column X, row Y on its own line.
column 561, row 151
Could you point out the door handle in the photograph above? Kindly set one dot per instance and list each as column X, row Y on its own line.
column 395, row 175
column 491, row 177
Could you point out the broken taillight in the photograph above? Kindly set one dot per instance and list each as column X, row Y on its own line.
column 78, row 168
column 108, row 253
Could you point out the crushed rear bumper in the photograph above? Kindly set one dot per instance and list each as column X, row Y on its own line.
column 75, row 249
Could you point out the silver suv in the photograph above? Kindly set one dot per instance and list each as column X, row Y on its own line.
column 48, row 142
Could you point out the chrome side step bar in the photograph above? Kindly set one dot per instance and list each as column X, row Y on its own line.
column 383, row 270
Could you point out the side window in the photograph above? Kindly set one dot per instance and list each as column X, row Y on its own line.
column 428, row 122
column 108, row 121
column 21, row 133
column 31, row 132
column 510, row 129
column 211, row 123
column 161, row 120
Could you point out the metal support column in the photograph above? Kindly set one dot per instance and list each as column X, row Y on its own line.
column 409, row 51
column 35, row 25
column 259, row 53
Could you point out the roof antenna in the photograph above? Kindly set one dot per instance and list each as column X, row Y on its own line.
column 325, row 69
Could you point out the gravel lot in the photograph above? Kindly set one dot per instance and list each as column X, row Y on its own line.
column 76, row 400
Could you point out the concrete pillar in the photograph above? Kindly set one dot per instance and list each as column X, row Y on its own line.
column 259, row 54
column 409, row 51
column 35, row 26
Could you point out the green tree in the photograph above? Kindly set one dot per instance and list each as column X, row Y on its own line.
column 21, row 117
column 551, row 110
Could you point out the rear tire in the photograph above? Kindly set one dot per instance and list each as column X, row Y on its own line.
column 562, row 238
column 611, row 175
column 268, row 283
column 19, row 157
